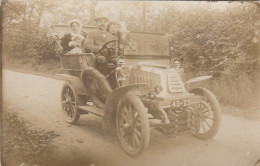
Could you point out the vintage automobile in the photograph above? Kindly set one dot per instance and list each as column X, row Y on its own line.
column 142, row 89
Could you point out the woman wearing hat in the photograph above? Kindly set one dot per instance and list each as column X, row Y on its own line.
column 66, row 41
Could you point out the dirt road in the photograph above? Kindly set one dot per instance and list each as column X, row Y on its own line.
column 37, row 100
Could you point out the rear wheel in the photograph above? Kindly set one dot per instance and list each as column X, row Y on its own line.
column 69, row 104
column 132, row 125
column 208, row 113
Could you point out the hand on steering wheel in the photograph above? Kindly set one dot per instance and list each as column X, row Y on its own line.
column 112, row 44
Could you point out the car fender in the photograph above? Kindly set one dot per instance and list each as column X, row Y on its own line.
column 77, row 84
column 197, row 79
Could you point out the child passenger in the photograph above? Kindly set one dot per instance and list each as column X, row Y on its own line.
column 77, row 43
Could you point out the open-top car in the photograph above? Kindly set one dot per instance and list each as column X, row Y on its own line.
column 141, row 89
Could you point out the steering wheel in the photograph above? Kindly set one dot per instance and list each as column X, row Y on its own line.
column 110, row 45
column 106, row 57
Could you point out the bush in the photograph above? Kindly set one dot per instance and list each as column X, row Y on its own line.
column 213, row 43
column 26, row 39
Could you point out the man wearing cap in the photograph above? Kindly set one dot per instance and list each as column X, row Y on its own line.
column 97, row 38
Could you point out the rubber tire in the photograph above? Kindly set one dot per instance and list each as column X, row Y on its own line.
column 213, row 102
column 75, row 119
column 145, row 125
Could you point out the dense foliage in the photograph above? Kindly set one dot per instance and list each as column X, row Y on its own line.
column 28, row 40
column 23, row 37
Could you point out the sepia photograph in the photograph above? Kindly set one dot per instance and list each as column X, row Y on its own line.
column 130, row 83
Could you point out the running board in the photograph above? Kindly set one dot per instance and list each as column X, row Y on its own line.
column 93, row 110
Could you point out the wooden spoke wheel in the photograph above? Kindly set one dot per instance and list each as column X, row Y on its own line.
column 69, row 106
column 132, row 125
column 208, row 113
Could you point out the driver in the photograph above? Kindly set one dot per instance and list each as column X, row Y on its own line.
column 97, row 38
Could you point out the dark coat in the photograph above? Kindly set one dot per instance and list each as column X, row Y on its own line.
column 65, row 42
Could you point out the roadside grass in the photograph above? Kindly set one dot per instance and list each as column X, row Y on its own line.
column 240, row 92
column 234, row 93
column 36, row 65
column 22, row 145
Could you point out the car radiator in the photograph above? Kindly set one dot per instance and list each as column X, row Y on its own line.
column 151, row 79
column 175, row 84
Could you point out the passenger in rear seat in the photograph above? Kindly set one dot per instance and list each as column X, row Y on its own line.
column 66, row 41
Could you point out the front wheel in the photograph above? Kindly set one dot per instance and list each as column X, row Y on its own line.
column 132, row 125
column 208, row 113
column 69, row 104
